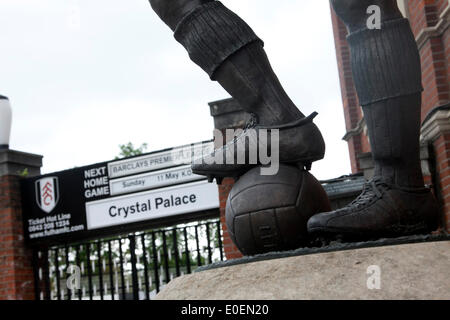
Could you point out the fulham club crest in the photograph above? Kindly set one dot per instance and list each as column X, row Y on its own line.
column 47, row 193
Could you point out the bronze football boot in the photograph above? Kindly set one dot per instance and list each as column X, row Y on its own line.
column 299, row 143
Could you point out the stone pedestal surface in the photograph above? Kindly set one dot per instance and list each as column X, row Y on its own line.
column 408, row 271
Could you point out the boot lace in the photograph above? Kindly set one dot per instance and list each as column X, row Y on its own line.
column 373, row 190
column 252, row 122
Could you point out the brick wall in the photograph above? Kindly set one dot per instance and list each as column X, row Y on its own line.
column 442, row 151
column 231, row 251
column 352, row 111
column 227, row 114
column 16, row 271
column 434, row 51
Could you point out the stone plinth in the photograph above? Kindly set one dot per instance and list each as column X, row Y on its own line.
column 408, row 271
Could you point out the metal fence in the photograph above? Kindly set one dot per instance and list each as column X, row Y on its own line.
column 136, row 266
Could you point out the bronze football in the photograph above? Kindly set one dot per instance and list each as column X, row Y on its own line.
column 270, row 213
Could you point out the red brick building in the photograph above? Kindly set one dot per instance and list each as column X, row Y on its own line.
column 430, row 21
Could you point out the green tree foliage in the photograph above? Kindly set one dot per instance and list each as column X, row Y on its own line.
column 129, row 150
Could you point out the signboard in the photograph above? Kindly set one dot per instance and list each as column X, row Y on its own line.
column 81, row 201
column 152, row 180
column 161, row 160
column 159, row 203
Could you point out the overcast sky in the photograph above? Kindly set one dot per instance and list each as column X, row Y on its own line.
column 84, row 76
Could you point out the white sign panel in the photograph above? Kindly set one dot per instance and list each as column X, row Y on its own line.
column 186, row 198
column 153, row 180
column 161, row 160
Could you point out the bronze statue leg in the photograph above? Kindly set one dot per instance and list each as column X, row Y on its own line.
column 228, row 50
column 244, row 70
column 387, row 75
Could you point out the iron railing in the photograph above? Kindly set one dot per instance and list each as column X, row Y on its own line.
column 136, row 266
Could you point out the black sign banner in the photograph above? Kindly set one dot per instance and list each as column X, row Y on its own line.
column 84, row 202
